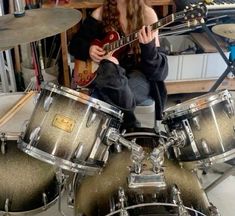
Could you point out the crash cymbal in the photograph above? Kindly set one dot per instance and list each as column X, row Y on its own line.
column 225, row 30
column 35, row 25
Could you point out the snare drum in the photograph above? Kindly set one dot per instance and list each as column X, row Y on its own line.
column 109, row 193
column 27, row 185
column 68, row 129
column 207, row 122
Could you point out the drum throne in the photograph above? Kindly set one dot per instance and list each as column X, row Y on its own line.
column 145, row 113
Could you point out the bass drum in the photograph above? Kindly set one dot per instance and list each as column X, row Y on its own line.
column 27, row 186
column 100, row 194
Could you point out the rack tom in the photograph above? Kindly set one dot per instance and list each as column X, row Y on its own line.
column 207, row 123
column 68, row 129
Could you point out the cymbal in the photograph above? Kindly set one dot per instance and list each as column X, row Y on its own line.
column 36, row 25
column 225, row 30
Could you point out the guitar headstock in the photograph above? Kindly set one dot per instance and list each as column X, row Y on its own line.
column 195, row 12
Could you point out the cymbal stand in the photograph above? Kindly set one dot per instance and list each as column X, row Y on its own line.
column 230, row 63
column 6, row 66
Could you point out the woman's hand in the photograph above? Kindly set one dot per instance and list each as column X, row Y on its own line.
column 111, row 58
column 146, row 35
column 96, row 53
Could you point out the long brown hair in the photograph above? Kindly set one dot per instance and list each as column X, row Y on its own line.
column 134, row 16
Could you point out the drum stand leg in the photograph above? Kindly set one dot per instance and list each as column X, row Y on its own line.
column 61, row 178
column 230, row 63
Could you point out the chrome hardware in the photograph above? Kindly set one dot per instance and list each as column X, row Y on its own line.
column 35, row 98
column 196, row 123
column 3, row 144
column 157, row 159
column 229, row 108
column 178, row 201
column 137, row 159
column 213, row 210
column 106, row 156
column 34, row 136
column 205, row 147
column 6, row 206
column 61, row 179
column 79, row 150
column 113, row 136
column 178, row 137
column 47, row 103
column 122, row 200
column 112, row 204
column 91, row 118
column 44, row 200
column 147, row 178
column 177, row 152
column 191, row 137
column 70, row 200
column 118, row 147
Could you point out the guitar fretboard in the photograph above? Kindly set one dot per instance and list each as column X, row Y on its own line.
column 123, row 41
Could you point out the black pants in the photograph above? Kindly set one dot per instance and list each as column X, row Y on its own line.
column 122, row 89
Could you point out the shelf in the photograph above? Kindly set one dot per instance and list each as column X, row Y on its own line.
column 176, row 87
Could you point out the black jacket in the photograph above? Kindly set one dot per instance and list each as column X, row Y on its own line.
column 153, row 62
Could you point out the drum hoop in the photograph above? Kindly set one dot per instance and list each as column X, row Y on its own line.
column 200, row 103
column 85, row 99
column 154, row 204
column 51, row 159
column 144, row 133
column 214, row 159
column 11, row 136
column 34, row 211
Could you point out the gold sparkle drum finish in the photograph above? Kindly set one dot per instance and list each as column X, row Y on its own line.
column 68, row 129
column 27, row 186
column 109, row 193
column 208, row 125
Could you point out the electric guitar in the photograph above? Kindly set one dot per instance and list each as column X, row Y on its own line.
column 85, row 71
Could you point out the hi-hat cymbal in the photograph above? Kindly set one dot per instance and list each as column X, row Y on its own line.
column 225, row 30
column 35, row 25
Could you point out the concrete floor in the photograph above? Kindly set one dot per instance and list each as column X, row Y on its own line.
column 222, row 195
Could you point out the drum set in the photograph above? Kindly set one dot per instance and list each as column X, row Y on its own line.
column 60, row 130
column 59, row 137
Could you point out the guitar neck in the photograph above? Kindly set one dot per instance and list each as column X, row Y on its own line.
column 123, row 41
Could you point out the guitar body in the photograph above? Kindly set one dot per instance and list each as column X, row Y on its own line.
column 85, row 71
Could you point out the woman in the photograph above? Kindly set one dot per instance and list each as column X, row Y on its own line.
column 136, row 73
